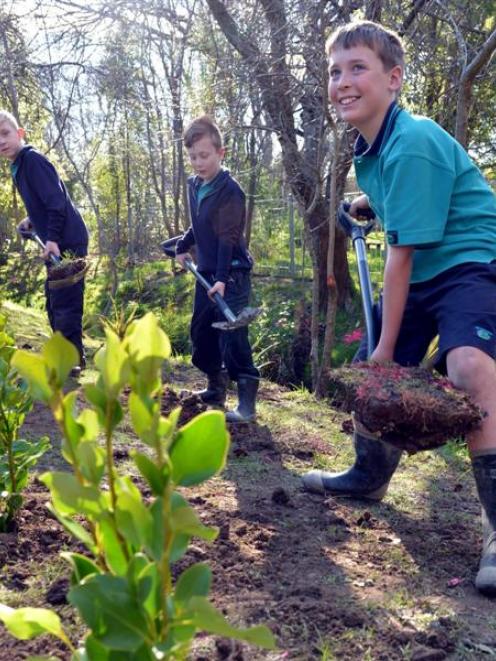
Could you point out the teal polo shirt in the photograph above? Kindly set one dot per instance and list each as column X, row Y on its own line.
column 428, row 193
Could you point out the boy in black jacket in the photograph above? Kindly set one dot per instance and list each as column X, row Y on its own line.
column 52, row 214
column 217, row 208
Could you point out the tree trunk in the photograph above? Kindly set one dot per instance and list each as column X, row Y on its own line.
column 465, row 87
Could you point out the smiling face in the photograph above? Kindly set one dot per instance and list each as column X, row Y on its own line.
column 206, row 158
column 361, row 89
column 11, row 140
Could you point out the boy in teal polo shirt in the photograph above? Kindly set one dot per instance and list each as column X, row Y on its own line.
column 439, row 215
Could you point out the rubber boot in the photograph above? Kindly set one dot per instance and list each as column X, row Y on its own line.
column 484, row 467
column 369, row 477
column 247, row 395
column 216, row 390
column 77, row 369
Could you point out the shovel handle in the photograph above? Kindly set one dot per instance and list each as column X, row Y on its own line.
column 357, row 232
column 169, row 247
column 31, row 234
column 219, row 301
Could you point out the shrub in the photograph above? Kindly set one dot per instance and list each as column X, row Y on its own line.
column 17, row 455
column 124, row 589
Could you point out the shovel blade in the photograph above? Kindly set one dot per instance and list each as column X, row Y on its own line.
column 245, row 317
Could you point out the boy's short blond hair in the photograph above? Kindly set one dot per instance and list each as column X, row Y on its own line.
column 201, row 127
column 6, row 116
column 385, row 43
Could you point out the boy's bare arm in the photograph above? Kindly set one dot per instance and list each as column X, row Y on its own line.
column 396, row 284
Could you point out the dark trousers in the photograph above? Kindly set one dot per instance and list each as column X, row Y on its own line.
column 64, row 308
column 214, row 349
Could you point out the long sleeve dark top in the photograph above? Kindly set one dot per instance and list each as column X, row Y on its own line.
column 217, row 226
column 47, row 202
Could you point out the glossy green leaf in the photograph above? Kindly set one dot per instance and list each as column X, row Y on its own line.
column 134, row 521
column 73, row 431
column 33, row 369
column 156, row 477
column 185, row 520
column 207, row 618
column 96, row 396
column 113, row 547
column 94, row 651
column 109, row 608
column 81, row 566
column 145, row 339
column 108, row 411
column 88, row 420
column 144, row 576
column 75, row 529
column 113, row 364
column 69, row 496
column 60, row 357
column 195, row 581
column 156, row 548
column 26, row 623
column 200, row 449
column 91, row 461
column 142, row 419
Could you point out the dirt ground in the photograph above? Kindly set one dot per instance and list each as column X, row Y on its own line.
column 333, row 578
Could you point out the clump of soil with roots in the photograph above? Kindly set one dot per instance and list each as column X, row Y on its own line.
column 67, row 268
column 409, row 407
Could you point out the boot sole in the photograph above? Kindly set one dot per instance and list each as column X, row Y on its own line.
column 238, row 420
column 315, row 483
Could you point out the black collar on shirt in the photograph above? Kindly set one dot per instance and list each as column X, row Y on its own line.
column 362, row 147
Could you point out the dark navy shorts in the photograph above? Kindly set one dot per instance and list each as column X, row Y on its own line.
column 459, row 305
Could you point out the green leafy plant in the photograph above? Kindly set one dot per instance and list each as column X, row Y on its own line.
column 17, row 455
column 124, row 588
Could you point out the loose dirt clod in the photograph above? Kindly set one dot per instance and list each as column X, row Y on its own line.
column 407, row 406
column 280, row 496
column 191, row 404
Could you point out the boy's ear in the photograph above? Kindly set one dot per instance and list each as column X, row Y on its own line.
column 21, row 133
column 396, row 78
column 222, row 152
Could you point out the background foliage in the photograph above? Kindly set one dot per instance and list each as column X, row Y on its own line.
column 105, row 89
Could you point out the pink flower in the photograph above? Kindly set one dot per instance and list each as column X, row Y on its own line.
column 354, row 336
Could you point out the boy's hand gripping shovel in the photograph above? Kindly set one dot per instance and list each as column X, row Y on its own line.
column 233, row 321
column 31, row 234
column 357, row 233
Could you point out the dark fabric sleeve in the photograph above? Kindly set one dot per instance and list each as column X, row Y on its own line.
column 185, row 242
column 45, row 182
column 229, row 226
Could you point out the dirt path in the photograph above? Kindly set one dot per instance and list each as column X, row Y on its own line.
column 332, row 578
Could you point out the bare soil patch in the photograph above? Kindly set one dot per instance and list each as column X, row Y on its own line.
column 332, row 578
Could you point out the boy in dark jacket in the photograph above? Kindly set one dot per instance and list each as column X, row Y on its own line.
column 53, row 216
column 439, row 215
column 217, row 208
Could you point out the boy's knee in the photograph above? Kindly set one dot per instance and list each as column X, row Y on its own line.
column 470, row 368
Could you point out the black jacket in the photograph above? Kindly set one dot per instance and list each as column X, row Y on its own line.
column 217, row 226
column 47, row 202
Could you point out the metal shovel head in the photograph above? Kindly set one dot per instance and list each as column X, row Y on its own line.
column 245, row 317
